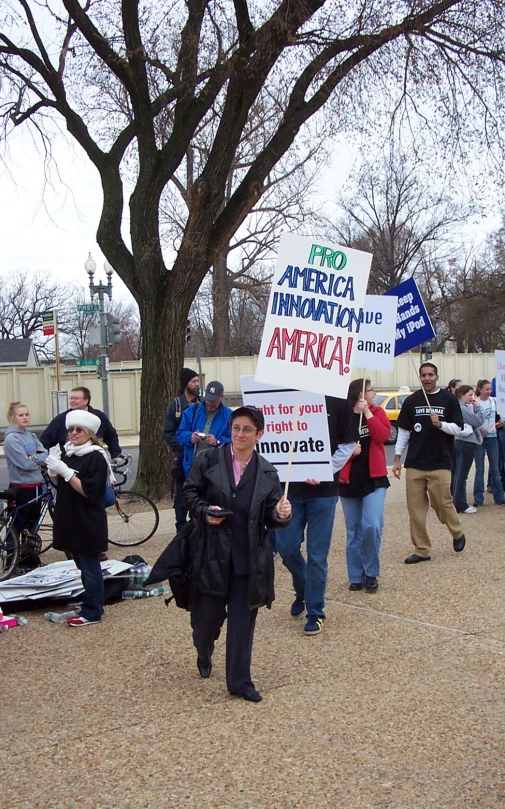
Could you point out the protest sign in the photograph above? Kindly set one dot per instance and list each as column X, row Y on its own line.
column 311, row 450
column 375, row 348
column 413, row 326
column 499, row 358
column 313, row 315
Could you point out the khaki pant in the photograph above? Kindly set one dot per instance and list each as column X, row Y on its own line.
column 436, row 485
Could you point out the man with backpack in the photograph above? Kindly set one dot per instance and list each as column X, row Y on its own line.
column 188, row 394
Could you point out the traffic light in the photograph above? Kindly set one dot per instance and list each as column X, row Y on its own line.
column 187, row 336
column 113, row 330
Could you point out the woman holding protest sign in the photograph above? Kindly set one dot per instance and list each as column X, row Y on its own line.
column 363, row 483
column 233, row 569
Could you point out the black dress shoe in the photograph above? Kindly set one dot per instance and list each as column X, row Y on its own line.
column 354, row 585
column 204, row 670
column 414, row 559
column 459, row 543
column 250, row 694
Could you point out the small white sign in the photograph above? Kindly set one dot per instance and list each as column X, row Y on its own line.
column 375, row 349
column 499, row 358
column 312, row 453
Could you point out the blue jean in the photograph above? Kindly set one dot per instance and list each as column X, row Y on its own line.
column 92, row 580
column 364, row 521
column 464, row 454
column 490, row 447
column 181, row 512
column 317, row 514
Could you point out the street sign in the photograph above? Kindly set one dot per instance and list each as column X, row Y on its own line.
column 80, row 363
column 94, row 335
column 48, row 330
column 87, row 308
column 48, row 317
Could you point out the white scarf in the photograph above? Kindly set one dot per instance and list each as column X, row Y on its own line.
column 85, row 449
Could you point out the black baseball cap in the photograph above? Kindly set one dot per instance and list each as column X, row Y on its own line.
column 214, row 391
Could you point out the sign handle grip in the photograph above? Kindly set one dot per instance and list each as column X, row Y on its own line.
column 292, row 443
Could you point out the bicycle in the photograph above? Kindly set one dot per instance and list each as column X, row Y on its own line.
column 15, row 541
column 133, row 518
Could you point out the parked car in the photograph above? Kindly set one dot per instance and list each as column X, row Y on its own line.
column 391, row 401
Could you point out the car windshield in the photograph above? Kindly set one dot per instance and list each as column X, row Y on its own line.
column 379, row 398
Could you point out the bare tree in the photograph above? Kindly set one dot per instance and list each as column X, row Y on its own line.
column 202, row 64
column 396, row 213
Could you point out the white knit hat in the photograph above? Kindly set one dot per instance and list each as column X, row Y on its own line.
column 83, row 418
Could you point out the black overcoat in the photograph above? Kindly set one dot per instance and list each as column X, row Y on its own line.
column 208, row 483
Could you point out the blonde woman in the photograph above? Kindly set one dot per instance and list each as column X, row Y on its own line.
column 24, row 455
column 80, row 522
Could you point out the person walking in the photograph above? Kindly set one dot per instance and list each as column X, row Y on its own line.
column 204, row 425
column 188, row 394
column 233, row 570
column 488, row 447
column 465, row 447
column 80, row 521
column 428, row 421
column 25, row 456
column 313, row 506
column 363, row 483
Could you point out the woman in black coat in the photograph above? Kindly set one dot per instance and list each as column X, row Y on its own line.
column 233, row 570
column 80, row 521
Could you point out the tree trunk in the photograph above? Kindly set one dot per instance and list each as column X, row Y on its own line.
column 162, row 348
column 221, row 307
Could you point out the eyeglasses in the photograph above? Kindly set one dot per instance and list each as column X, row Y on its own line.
column 247, row 430
column 75, row 430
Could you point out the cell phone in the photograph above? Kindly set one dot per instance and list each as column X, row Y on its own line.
column 202, row 435
column 225, row 512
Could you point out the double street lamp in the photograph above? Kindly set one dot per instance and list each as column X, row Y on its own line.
column 101, row 290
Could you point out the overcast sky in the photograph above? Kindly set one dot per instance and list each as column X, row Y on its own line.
column 52, row 226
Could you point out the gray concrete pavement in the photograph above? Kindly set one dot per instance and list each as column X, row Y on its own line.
column 398, row 704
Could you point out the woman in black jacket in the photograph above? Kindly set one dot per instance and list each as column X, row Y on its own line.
column 80, row 521
column 233, row 561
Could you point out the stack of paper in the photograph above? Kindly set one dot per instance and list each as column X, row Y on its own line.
column 61, row 580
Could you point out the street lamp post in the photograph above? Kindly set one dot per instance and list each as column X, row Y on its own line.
column 101, row 290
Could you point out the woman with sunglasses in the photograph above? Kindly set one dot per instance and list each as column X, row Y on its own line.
column 233, row 570
column 80, row 521
column 363, row 483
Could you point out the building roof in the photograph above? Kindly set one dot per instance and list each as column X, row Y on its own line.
column 15, row 351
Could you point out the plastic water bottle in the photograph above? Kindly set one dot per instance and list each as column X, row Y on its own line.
column 153, row 591
column 138, row 575
column 20, row 620
column 60, row 617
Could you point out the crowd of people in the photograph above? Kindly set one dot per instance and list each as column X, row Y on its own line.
column 239, row 516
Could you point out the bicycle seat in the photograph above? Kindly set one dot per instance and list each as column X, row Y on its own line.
column 9, row 494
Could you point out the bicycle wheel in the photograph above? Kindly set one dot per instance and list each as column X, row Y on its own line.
column 132, row 520
column 45, row 533
column 9, row 549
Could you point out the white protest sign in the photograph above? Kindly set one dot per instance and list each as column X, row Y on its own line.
column 375, row 349
column 499, row 358
column 313, row 315
column 312, row 453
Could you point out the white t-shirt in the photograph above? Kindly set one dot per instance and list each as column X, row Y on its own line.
column 489, row 408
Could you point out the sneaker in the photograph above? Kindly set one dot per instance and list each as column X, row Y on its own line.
column 356, row 585
column 80, row 621
column 469, row 510
column 371, row 584
column 314, row 625
column 478, row 505
column 298, row 606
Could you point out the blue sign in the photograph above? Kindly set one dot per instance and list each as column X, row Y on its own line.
column 413, row 325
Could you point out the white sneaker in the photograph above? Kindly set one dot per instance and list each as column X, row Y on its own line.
column 470, row 510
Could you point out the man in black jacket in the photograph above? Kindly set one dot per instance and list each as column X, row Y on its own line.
column 80, row 399
column 188, row 394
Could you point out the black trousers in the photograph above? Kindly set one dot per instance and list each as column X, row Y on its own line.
column 207, row 618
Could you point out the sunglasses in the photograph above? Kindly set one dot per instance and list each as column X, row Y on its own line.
column 75, row 430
